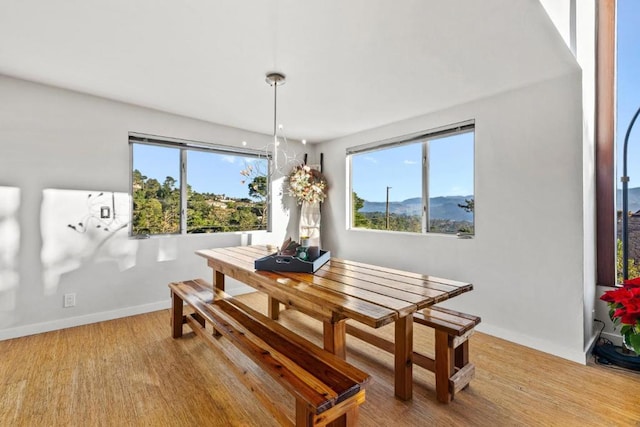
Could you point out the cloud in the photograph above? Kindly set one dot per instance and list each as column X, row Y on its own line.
column 410, row 162
column 371, row 159
column 228, row 159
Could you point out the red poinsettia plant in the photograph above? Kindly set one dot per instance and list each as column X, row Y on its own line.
column 624, row 309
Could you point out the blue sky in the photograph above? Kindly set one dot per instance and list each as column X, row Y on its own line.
column 207, row 172
column 450, row 170
column 628, row 87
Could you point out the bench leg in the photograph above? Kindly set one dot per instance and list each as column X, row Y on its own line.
column 273, row 308
column 348, row 419
column 218, row 282
column 348, row 416
column 176, row 315
column 444, row 365
column 304, row 417
column 462, row 355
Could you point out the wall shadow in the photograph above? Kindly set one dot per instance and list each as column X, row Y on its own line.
column 9, row 250
column 80, row 227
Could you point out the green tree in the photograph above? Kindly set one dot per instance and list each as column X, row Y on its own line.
column 632, row 268
column 258, row 188
column 156, row 208
column 359, row 219
column 468, row 206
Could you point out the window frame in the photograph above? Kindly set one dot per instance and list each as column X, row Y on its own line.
column 605, row 143
column 184, row 146
column 424, row 138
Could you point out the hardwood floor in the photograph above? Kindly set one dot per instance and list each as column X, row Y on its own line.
column 131, row 372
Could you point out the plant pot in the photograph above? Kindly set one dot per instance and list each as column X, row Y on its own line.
column 626, row 342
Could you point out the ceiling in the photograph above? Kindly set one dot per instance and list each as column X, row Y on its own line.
column 350, row 65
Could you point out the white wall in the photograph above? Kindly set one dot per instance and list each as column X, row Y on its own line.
column 526, row 260
column 576, row 22
column 53, row 139
column 563, row 13
column 585, row 18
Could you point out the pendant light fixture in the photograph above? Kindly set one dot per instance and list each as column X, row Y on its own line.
column 274, row 80
column 282, row 158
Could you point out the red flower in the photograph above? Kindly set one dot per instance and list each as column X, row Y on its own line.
column 618, row 295
column 632, row 307
column 632, row 283
column 624, row 302
column 607, row 297
column 629, row 319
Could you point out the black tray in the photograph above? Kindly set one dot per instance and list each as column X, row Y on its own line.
column 275, row 262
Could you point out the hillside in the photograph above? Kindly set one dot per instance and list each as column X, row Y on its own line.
column 441, row 207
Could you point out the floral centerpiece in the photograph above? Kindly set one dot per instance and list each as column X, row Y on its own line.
column 624, row 309
column 307, row 185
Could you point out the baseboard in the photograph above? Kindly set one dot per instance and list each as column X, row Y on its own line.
column 535, row 343
column 590, row 346
column 38, row 328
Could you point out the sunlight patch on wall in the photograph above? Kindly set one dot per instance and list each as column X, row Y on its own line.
column 9, row 248
column 83, row 227
column 167, row 249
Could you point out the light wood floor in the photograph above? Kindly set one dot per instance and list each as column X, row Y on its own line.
column 130, row 372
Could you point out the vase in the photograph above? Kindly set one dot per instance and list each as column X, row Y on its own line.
column 310, row 222
column 626, row 342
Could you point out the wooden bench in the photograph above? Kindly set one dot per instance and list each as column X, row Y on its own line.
column 451, row 365
column 327, row 389
column 452, row 331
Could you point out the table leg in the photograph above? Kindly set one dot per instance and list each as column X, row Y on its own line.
column 335, row 337
column 404, row 357
column 218, row 280
column 176, row 315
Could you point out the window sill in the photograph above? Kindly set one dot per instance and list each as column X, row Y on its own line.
column 406, row 233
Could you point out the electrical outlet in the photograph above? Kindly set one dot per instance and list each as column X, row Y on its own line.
column 105, row 212
column 69, row 300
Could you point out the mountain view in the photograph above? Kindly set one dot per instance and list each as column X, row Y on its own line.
column 441, row 207
column 449, row 215
column 447, row 207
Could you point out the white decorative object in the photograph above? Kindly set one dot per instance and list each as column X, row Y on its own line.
column 310, row 223
column 307, row 184
column 309, row 187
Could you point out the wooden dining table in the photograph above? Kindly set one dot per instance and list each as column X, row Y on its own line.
column 341, row 290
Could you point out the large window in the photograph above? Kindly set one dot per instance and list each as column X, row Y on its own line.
column 618, row 83
column 627, row 104
column 181, row 187
column 416, row 184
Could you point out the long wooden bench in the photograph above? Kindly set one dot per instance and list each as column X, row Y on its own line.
column 450, row 364
column 327, row 390
column 453, row 369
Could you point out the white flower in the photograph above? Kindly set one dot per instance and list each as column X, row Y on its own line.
column 307, row 185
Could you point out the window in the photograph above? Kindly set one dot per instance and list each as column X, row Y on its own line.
column 627, row 106
column 415, row 184
column 605, row 174
column 181, row 187
column 617, row 85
